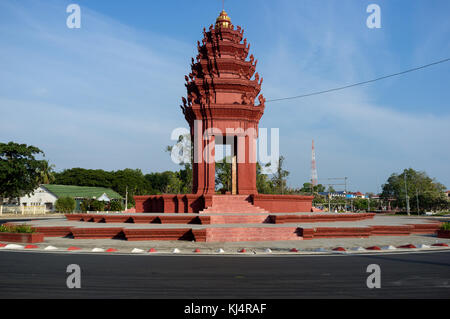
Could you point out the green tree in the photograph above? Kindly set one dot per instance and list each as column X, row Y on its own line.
column 134, row 179
column 65, row 205
column 307, row 188
column 47, row 175
column 85, row 205
column 119, row 180
column 166, row 182
column 85, row 177
column 20, row 171
column 158, row 181
column 115, row 206
column 279, row 179
column 174, row 184
column 97, row 206
column 361, row 204
column 185, row 174
column 223, row 174
column 92, row 205
column 418, row 187
column 263, row 183
column 331, row 189
column 320, row 200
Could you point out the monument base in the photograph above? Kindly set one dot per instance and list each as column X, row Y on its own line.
column 192, row 203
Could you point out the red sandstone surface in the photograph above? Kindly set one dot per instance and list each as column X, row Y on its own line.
column 304, row 226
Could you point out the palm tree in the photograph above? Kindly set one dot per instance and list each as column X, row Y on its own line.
column 46, row 173
column 279, row 179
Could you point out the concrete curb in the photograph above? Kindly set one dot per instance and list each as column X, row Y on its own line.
column 239, row 252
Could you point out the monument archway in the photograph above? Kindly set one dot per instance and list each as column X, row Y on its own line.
column 242, row 144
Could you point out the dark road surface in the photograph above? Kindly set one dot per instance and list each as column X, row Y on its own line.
column 43, row 275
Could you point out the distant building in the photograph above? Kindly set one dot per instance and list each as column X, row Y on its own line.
column 356, row 195
column 447, row 193
column 333, row 194
column 342, row 194
column 49, row 193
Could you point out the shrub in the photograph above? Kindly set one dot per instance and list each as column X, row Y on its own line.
column 85, row 205
column 445, row 226
column 65, row 205
column 98, row 206
column 92, row 205
column 115, row 206
column 22, row 229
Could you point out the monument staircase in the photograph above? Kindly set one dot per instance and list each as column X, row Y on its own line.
column 234, row 209
column 232, row 204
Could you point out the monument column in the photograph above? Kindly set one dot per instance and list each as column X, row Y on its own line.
column 210, row 165
column 246, row 165
column 204, row 166
column 234, row 167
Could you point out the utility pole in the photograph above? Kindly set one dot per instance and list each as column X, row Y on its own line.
column 314, row 179
column 417, row 199
column 329, row 203
column 345, row 178
column 406, row 196
column 126, row 198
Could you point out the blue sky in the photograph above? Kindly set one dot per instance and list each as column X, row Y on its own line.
column 107, row 95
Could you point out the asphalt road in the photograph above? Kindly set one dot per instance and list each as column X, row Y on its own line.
column 43, row 275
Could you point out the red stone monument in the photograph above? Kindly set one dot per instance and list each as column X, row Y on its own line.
column 220, row 109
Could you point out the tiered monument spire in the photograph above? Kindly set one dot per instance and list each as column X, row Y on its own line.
column 221, row 93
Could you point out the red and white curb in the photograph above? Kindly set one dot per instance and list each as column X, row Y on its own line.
column 242, row 251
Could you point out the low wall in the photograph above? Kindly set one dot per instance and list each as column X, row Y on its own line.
column 283, row 203
column 23, row 210
column 22, row 237
column 192, row 203
column 180, row 203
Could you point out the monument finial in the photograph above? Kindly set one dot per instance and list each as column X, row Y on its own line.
column 223, row 21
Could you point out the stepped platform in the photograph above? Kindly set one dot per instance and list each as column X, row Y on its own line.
column 306, row 228
column 213, row 217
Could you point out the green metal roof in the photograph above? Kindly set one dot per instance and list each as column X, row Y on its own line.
column 80, row 191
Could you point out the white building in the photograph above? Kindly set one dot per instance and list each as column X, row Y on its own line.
column 46, row 195
column 40, row 197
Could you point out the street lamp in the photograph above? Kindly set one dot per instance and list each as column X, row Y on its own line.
column 406, row 197
column 417, row 200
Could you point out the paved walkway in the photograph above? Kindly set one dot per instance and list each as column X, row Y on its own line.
column 376, row 221
column 186, row 246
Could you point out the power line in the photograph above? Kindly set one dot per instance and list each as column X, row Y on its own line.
column 359, row 83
